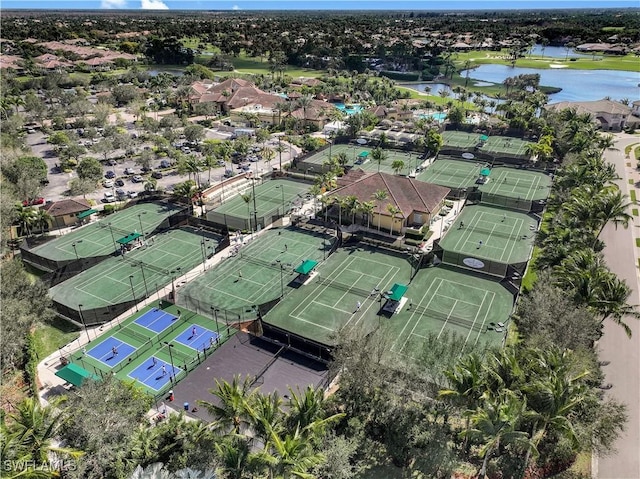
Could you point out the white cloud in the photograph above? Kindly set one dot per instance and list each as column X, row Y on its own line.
column 235, row 7
column 113, row 4
column 154, row 5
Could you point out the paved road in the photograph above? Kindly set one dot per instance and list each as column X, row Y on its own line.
column 623, row 371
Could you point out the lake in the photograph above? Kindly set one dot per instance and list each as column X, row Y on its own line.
column 577, row 85
column 559, row 52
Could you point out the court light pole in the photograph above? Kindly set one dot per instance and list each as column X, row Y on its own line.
column 173, row 285
column 173, row 369
column 133, row 291
column 84, row 325
column 144, row 279
column 281, row 278
column 113, row 238
column 140, row 220
column 281, row 188
column 215, row 318
column 203, row 248
column 75, row 250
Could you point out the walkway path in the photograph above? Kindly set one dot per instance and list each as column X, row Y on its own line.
column 623, row 354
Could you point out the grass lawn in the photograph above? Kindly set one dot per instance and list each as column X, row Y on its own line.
column 52, row 336
column 632, row 195
column 257, row 66
column 611, row 62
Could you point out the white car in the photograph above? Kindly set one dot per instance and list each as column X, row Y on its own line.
column 107, row 183
column 109, row 198
column 133, row 194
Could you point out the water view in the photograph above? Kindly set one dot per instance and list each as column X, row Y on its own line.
column 559, row 52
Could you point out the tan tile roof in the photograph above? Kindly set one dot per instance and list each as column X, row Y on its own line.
column 593, row 107
column 66, row 207
column 407, row 194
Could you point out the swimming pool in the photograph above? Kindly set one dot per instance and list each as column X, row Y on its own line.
column 349, row 109
column 439, row 116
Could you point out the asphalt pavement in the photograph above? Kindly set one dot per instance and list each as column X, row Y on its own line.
column 622, row 353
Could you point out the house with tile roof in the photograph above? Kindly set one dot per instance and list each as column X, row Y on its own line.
column 607, row 114
column 416, row 202
column 65, row 212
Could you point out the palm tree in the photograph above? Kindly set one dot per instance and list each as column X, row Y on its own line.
column 496, row 423
column 610, row 301
column 379, row 155
column 237, row 459
column 190, row 165
column 352, row 204
column 150, row 185
column 185, row 191
column 26, row 217
column 366, row 208
column 379, row 196
column 233, row 412
column 611, row 206
column 268, row 154
column 32, row 432
column 292, row 456
column 247, row 197
column 397, row 166
column 393, row 211
column 42, row 220
column 280, row 148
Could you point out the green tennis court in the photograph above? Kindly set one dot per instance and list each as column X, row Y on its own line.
column 360, row 157
column 496, row 234
column 135, row 361
column 460, row 139
column 318, row 310
column 98, row 239
column 524, row 184
column 451, row 173
column 445, row 300
column 147, row 268
column 505, row 145
column 251, row 274
column 271, row 196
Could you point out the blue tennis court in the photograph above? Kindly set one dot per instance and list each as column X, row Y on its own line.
column 111, row 351
column 197, row 337
column 156, row 320
column 154, row 373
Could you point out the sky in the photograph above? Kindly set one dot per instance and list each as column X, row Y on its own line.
column 414, row 5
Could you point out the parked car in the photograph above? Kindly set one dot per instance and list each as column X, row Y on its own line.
column 221, row 163
column 119, row 182
column 133, row 194
column 121, row 194
column 146, row 169
column 110, row 174
column 156, row 174
column 165, row 164
column 129, row 171
column 107, row 183
column 137, row 179
column 35, row 201
column 112, row 162
column 229, row 173
column 109, row 197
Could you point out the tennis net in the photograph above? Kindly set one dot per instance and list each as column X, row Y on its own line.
column 494, row 232
column 135, row 335
column 258, row 261
column 347, row 288
column 148, row 266
column 449, row 318
column 114, row 228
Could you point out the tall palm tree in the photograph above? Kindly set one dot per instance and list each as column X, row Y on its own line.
column 237, row 459
column 280, row 148
column 397, row 166
column 233, row 413
column 247, row 197
column 367, row 208
column 379, row 196
column 26, row 217
column 393, row 211
column 379, row 155
column 292, row 455
column 42, row 220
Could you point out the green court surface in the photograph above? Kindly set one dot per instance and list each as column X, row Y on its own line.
column 148, row 344
column 328, row 303
column 98, row 238
column 252, row 274
column 460, row 139
column 506, row 145
column 357, row 159
column 444, row 300
column 496, row 234
column 451, row 173
column 271, row 196
column 524, row 184
column 147, row 267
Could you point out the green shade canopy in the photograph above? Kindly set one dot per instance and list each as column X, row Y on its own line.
column 485, row 171
column 397, row 291
column 306, row 267
column 74, row 374
column 84, row 214
column 363, row 154
column 484, row 137
column 129, row 238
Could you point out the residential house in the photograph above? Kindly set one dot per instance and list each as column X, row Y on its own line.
column 635, row 108
column 417, row 202
column 607, row 114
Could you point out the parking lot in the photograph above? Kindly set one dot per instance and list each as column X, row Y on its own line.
column 124, row 179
